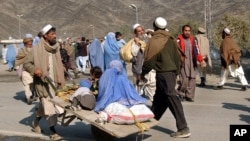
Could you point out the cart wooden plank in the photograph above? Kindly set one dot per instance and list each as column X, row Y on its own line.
column 118, row 131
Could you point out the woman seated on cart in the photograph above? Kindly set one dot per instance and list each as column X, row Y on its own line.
column 114, row 86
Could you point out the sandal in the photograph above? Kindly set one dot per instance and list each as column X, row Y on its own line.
column 36, row 128
column 55, row 137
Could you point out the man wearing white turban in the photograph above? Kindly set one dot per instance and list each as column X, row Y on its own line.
column 230, row 60
column 162, row 54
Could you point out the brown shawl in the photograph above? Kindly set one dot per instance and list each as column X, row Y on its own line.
column 230, row 52
column 70, row 49
column 22, row 55
column 156, row 44
column 41, row 60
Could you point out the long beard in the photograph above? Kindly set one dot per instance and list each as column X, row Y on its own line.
column 52, row 42
column 142, row 37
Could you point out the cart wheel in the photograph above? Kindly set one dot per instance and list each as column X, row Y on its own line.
column 100, row 135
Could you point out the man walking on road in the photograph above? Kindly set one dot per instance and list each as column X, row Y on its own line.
column 4, row 52
column 25, row 77
column 189, row 47
column 203, row 44
column 72, row 59
column 162, row 54
column 82, row 55
column 44, row 62
column 230, row 60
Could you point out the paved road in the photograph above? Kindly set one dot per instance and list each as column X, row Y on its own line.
column 208, row 117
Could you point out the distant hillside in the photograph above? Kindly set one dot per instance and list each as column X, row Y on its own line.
column 75, row 17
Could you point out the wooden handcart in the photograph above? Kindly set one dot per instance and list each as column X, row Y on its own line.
column 106, row 131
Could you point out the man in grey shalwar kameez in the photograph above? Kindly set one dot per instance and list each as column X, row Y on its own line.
column 189, row 47
column 137, row 51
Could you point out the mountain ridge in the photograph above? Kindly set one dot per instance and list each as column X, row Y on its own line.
column 75, row 17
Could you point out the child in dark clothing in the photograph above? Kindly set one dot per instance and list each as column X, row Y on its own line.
column 85, row 97
column 96, row 73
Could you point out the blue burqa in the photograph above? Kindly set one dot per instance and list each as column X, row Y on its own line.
column 111, row 50
column 21, row 45
column 35, row 41
column 114, row 86
column 11, row 55
column 121, row 43
column 96, row 54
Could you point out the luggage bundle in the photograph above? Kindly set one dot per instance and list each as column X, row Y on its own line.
column 66, row 92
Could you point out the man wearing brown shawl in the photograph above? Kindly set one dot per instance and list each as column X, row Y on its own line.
column 26, row 78
column 162, row 55
column 44, row 61
column 230, row 60
column 72, row 59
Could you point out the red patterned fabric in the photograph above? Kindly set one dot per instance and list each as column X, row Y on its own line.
column 194, row 46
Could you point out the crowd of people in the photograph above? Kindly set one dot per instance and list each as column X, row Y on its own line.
column 164, row 70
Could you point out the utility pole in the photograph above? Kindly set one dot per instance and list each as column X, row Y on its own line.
column 19, row 25
column 205, row 15
column 136, row 11
column 208, row 20
column 210, row 24
column 93, row 31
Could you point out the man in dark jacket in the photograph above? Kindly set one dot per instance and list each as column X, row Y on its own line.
column 82, row 55
column 162, row 55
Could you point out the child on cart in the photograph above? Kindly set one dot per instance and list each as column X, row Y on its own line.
column 85, row 96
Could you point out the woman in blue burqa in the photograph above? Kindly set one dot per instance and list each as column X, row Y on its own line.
column 96, row 54
column 111, row 50
column 11, row 56
column 114, row 86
